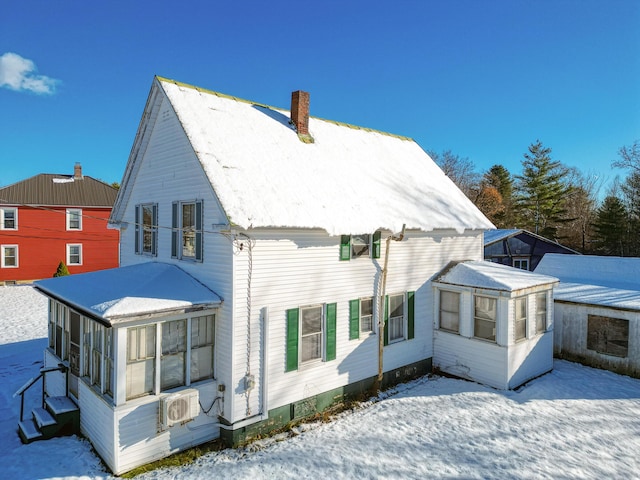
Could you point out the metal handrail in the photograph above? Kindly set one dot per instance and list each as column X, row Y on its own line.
column 43, row 371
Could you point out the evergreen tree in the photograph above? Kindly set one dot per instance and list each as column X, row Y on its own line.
column 610, row 227
column 499, row 178
column 62, row 270
column 631, row 192
column 542, row 192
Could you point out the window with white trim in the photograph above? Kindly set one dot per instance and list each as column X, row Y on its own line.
column 202, row 344
column 174, row 349
column 311, row 335
column 396, row 318
column 521, row 263
column 180, row 363
column 74, row 219
column 146, row 231
column 187, row 230
column 364, row 245
column 360, row 317
column 484, row 317
column 141, row 353
column 521, row 318
column 74, row 254
column 541, row 312
column 450, row 311
column 8, row 218
column 9, row 256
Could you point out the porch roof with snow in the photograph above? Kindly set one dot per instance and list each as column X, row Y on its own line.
column 348, row 180
column 491, row 276
column 146, row 289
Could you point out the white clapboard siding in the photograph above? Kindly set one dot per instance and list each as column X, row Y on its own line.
column 529, row 359
column 97, row 423
column 477, row 360
column 294, row 268
column 141, row 439
column 55, row 382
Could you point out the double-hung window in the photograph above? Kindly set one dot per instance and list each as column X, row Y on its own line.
column 450, row 311
column 202, row 343
column 541, row 312
column 9, row 256
column 187, row 231
column 521, row 318
column 521, row 263
column 365, row 245
column 311, row 335
column 399, row 317
column 74, row 254
column 174, row 349
column 8, row 218
column 141, row 353
column 74, row 219
column 484, row 318
column 146, row 231
column 360, row 317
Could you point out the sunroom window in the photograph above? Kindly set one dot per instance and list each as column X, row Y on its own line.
column 521, row 318
column 202, row 340
column 484, row 318
column 174, row 348
column 541, row 312
column 450, row 311
column 141, row 352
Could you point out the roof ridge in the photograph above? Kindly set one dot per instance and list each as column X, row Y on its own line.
column 264, row 105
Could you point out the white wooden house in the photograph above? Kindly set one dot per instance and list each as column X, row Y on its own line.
column 494, row 324
column 272, row 263
column 597, row 310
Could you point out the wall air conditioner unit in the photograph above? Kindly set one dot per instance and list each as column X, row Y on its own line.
column 179, row 407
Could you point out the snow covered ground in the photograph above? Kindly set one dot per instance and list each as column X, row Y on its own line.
column 576, row 422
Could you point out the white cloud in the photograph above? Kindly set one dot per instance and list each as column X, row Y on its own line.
column 20, row 74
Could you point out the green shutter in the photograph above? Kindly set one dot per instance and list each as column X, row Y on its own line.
column 292, row 340
column 199, row 213
column 386, row 320
column 354, row 319
column 376, row 244
column 137, row 229
column 345, row 247
column 410, row 314
column 331, row 332
column 174, row 230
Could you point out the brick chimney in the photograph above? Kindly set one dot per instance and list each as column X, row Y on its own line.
column 77, row 171
column 300, row 111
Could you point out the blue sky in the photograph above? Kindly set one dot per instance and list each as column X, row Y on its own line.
column 484, row 79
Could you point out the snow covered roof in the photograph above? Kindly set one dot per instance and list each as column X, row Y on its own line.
column 493, row 236
column 612, row 272
column 493, row 276
column 349, row 180
column 597, row 295
column 142, row 289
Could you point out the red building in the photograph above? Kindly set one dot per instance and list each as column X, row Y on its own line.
column 50, row 218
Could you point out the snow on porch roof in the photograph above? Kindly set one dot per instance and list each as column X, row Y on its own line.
column 142, row 289
column 493, row 276
column 349, row 180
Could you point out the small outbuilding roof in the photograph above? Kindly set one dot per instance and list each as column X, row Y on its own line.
column 150, row 288
column 611, row 272
column 595, row 280
column 492, row 276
